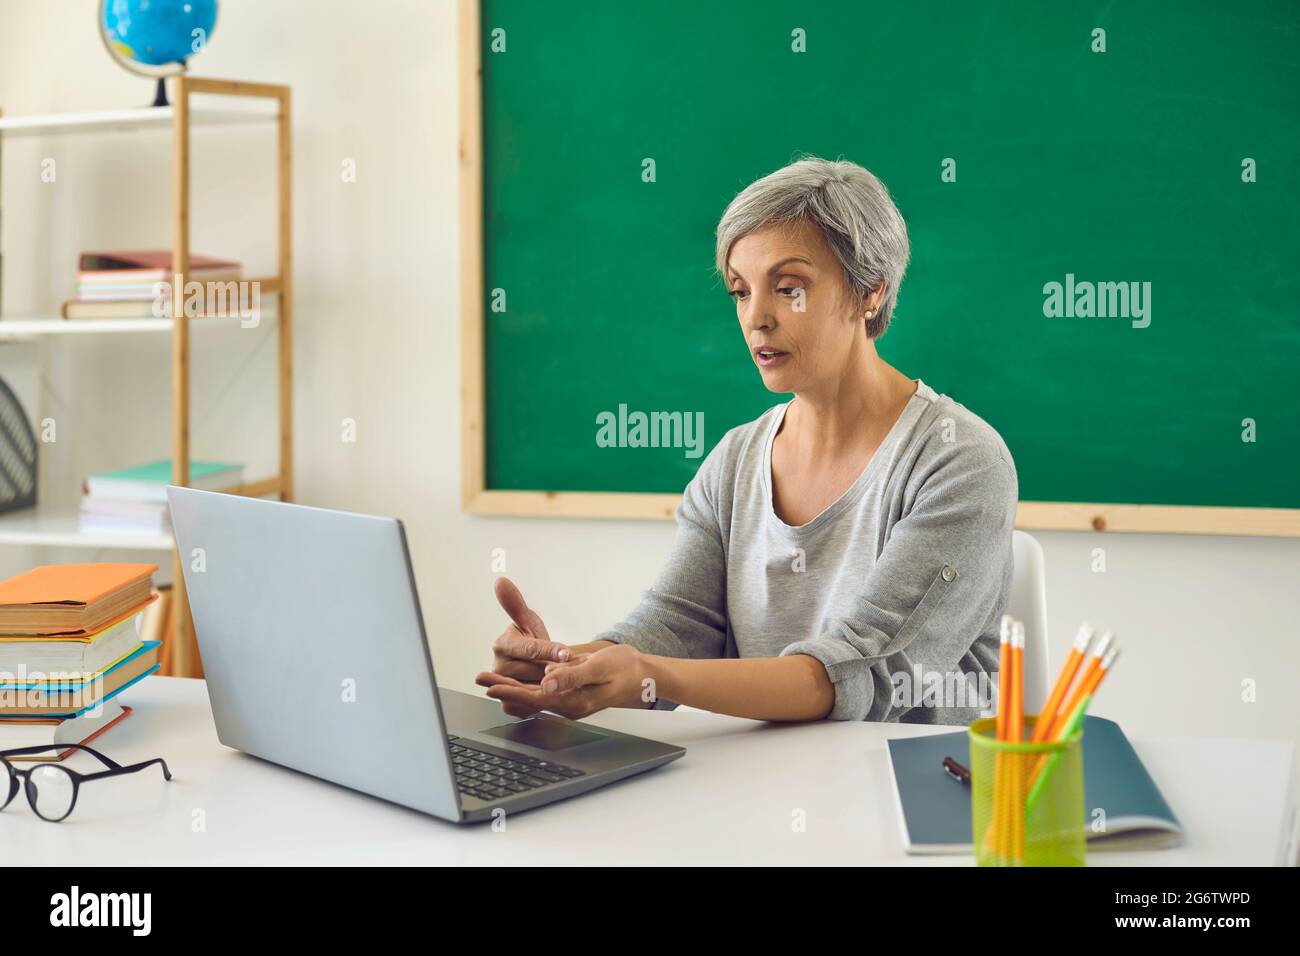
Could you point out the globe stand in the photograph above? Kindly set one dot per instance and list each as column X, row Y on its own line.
column 158, row 73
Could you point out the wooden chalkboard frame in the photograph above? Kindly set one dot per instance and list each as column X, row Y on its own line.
column 477, row 498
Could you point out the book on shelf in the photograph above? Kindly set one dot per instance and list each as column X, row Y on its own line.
column 49, row 731
column 71, row 601
column 145, row 288
column 138, row 264
column 148, row 482
column 135, row 309
column 134, row 500
column 124, row 516
column 124, row 285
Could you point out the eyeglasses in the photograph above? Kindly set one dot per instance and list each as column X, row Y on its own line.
column 52, row 788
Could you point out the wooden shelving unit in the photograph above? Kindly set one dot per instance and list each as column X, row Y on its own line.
column 27, row 328
column 259, row 103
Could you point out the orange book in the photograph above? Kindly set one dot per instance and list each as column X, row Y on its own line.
column 72, row 600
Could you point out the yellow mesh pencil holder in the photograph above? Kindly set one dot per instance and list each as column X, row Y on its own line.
column 1026, row 798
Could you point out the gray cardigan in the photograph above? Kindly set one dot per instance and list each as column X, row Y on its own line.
column 896, row 588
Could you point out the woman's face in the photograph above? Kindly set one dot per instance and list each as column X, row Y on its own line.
column 793, row 305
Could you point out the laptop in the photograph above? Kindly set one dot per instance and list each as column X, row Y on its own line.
column 316, row 659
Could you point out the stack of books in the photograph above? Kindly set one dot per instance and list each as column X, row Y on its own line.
column 125, row 285
column 134, row 500
column 69, row 646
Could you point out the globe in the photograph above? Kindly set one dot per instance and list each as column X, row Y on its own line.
column 156, row 38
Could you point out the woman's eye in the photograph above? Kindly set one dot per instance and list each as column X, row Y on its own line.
column 737, row 293
column 789, row 291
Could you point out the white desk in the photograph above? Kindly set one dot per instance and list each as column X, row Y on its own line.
column 731, row 799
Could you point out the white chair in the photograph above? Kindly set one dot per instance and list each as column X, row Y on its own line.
column 1028, row 603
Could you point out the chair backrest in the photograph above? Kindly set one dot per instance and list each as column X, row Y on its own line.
column 1028, row 603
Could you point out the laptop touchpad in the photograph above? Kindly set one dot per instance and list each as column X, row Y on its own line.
column 545, row 734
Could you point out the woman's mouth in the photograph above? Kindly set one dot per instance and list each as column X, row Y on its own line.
column 769, row 358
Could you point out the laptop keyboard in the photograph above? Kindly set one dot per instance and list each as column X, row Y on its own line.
column 492, row 774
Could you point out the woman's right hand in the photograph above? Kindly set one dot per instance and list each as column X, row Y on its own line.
column 525, row 647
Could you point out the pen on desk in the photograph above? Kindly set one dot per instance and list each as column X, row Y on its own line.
column 955, row 770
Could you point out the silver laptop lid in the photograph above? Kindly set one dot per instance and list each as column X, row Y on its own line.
column 313, row 645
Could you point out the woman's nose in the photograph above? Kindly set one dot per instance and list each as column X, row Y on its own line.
column 759, row 315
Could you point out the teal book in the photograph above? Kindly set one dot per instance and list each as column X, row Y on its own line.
column 935, row 813
column 148, row 482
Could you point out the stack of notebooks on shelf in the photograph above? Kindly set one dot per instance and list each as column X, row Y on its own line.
column 69, row 646
column 125, row 285
column 134, row 500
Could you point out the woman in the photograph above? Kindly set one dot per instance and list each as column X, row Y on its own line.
column 847, row 555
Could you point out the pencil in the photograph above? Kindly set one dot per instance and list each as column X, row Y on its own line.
column 1017, row 719
column 1004, row 667
column 1046, row 764
column 1047, row 716
column 1089, row 674
column 995, row 837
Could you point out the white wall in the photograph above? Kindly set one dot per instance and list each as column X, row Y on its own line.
column 377, row 268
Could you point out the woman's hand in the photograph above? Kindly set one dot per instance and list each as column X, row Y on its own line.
column 525, row 647
column 615, row 676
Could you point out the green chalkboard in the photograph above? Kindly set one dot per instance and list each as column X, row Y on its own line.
column 1123, row 166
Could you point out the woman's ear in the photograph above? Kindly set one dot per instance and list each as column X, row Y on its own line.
column 871, row 305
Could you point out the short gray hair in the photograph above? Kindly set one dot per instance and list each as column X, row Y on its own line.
column 851, row 208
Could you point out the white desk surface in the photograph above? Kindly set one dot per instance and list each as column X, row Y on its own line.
column 730, row 800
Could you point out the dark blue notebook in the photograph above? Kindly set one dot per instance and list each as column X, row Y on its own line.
column 935, row 808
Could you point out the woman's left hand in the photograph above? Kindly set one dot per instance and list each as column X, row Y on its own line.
column 610, row 677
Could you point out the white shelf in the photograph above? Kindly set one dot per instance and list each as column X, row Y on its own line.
column 140, row 118
column 62, row 528
column 30, row 327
